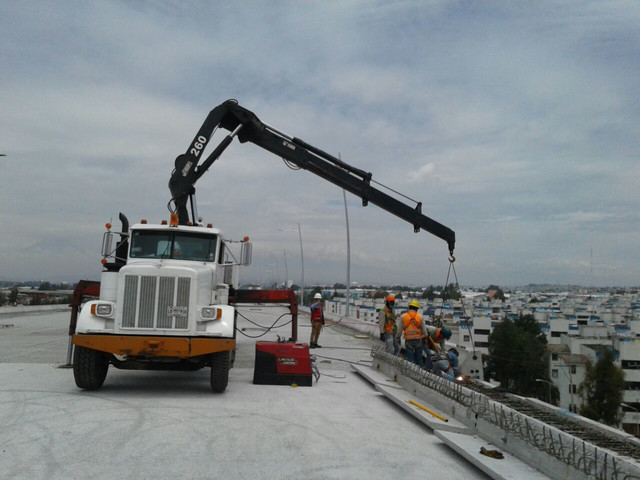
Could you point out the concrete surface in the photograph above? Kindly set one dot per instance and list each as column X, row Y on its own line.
column 507, row 468
column 159, row 425
column 34, row 337
column 398, row 395
column 401, row 398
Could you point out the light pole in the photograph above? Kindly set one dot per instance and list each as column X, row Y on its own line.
column 346, row 216
column 274, row 279
column 286, row 270
column 301, row 261
column 636, row 414
column 540, row 380
column 570, row 376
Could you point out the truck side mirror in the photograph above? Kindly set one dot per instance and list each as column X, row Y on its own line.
column 245, row 253
column 107, row 242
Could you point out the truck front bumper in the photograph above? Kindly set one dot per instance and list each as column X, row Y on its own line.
column 136, row 345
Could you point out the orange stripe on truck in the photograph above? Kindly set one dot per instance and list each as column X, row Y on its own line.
column 154, row 346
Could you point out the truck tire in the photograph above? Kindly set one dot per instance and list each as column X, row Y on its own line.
column 219, row 371
column 89, row 368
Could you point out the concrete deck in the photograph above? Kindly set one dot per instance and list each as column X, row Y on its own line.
column 167, row 425
column 507, row 468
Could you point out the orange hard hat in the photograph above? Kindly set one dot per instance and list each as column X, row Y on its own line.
column 390, row 298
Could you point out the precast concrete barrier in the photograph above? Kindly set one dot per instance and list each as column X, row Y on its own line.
column 544, row 447
column 28, row 309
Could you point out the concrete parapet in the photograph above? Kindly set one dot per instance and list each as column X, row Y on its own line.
column 27, row 309
column 546, row 448
column 611, row 432
column 370, row 328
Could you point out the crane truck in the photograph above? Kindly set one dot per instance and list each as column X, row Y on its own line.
column 168, row 292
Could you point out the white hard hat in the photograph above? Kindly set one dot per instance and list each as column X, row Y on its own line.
column 317, row 295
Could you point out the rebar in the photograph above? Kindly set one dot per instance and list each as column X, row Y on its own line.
column 546, row 431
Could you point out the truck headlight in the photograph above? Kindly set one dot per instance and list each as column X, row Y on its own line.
column 211, row 313
column 102, row 309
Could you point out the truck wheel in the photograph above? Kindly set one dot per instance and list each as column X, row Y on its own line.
column 219, row 371
column 89, row 368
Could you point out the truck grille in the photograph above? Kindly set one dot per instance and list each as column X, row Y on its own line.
column 156, row 302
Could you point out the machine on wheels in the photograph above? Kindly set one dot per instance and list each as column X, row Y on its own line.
column 168, row 292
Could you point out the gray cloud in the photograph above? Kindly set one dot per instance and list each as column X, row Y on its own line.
column 515, row 124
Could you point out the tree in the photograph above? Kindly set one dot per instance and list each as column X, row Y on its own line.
column 499, row 293
column 45, row 286
column 308, row 295
column 399, row 288
column 451, row 292
column 13, row 296
column 517, row 350
column 602, row 390
column 429, row 293
column 65, row 299
column 3, row 299
column 339, row 286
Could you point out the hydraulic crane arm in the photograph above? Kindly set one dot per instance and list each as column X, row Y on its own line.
column 248, row 128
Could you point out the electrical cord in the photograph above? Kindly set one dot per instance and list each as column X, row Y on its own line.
column 336, row 323
column 272, row 326
column 349, row 348
column 315, row 371
column 267, row 329
column 336, row 359
column 334, row 376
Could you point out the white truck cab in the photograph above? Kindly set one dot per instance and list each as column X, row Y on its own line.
column 164, row 306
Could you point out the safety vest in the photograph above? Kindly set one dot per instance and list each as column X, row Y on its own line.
column 316, row 312
column 450, row 362
column 389, row 323
column 438, row 336
column 412, row 322
column 435, row 340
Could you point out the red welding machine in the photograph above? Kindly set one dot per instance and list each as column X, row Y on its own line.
column 282, row 363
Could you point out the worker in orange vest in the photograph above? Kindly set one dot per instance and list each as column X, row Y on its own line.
column 413, row 330
column 387, row 321
column 435, row 341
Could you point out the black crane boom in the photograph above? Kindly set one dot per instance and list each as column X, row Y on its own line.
column 247, row 127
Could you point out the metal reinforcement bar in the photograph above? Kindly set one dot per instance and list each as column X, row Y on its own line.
column 584, row 432
column 596, row 455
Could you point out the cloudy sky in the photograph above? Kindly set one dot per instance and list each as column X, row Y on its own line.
column 517, row 124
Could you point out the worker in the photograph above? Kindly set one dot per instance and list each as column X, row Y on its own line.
column 435, row 341
column 387, row 321
column 413, row 330
column 447, row 365
column 317, row 320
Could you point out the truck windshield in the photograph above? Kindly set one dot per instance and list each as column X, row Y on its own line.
column 177, row 245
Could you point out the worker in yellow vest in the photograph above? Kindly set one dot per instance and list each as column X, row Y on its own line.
column 413, row 331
